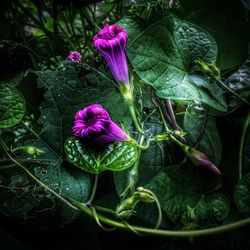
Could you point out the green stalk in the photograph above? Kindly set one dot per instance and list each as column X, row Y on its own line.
column 104, row 209
column 167, row 233
column 124, row 225
column 133, row 115
column 133, row 174
column 242, row 139
column 94, row 189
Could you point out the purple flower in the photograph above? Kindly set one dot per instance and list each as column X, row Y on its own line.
column 200, row 159
column 74, row 56
column 93, row 124
column 111, row 44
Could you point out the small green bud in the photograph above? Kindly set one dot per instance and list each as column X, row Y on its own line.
column 126, row 207
column 215, row 70
column 30, row 150
column 145, row 195
column 179, row 133
column 124, row 214
column 162, row 137
column 205, row 69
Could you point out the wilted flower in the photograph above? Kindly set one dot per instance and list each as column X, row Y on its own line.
column 111, row 44
column 74, row 56
column 93, row 124
column 200, row 159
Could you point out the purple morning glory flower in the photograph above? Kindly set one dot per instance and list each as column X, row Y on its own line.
column 93, row 124
column 200, row 159
column 111, row 44
column 74, row 56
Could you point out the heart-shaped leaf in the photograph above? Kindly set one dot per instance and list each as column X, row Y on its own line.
column 12, row 106
column 115, row 157
column 164, row 57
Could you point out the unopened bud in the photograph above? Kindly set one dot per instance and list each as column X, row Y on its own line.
column 214, row 69
column 126, row 207
column 200, row 159
column 145, row 195
column 162, row 137
column 179, row 133
column 30, row 150
column 205, row 69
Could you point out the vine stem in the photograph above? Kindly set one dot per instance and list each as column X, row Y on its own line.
column 167, row 233
column 133, row 115
column 122, row 225
column 33, row 176
column 133, row 174
column 242, row 139
column 94, row 189
column 146, row 146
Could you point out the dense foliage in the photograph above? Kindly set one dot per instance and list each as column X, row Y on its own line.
column 185, row 168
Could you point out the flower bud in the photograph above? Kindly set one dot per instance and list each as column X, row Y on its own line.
column 126, row 207
column 205, row 69
column 145, row 195
column 162, row 137
column 74, row 56
column 215, row 70
column 111, row 44
column 200, row 159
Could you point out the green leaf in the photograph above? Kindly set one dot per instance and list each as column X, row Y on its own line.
column 132, row 26
column 71, row 184
column 212, row 208
column 70, row 88
column 174, row 46
column 242, row 195
column 26, row 200
column 239, row 82
column 179, row 187
column 228, row 25
column 12, row 106
column 202, row 131
column 115, row 157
